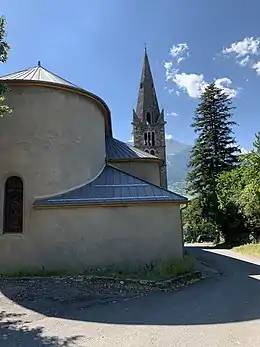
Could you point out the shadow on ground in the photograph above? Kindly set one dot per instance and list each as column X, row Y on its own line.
column 13, row 332
column 232, row 297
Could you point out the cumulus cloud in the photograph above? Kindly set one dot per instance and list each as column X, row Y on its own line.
column 244, row 51
column 172, row 114
column 225, row 85
column 248, row 46
column 195, row 84
column 179, row 52
column 192, row 84
column 256, row 67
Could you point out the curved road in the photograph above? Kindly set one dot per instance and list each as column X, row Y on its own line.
column 220, row 311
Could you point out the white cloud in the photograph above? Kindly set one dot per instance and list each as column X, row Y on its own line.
column 195, row 84
column 244, row 50
column 244, row 61
column 192, row 84
column 179, row 52
column 248, row 46
column 168, row 136
column 256, row 67
column 172, row 114
column 225, row 85
column 170, row 71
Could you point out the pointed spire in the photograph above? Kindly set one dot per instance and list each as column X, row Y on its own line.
column 147, row 103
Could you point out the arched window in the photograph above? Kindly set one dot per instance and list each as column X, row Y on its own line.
column 148, row 118
column 153, row 138
column 145, row 139
column 149, row 139
column 146, row 150
column 152, row 151
column 13, row 205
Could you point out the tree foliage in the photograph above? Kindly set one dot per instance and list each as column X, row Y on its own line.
column 4, row 49
column 239, row 194
column 215, row 151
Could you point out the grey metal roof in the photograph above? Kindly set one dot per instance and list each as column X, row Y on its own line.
column 116, row 149
column 112, row 186
column 37, row 73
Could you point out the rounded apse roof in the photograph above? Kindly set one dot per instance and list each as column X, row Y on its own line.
column 40, row 76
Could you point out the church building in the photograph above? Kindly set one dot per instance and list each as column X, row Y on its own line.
column 71, row 195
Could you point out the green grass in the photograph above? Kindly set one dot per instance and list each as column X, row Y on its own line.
column 250, row 249
column 154, row 271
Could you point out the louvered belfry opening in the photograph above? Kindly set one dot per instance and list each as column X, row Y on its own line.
column 13, row 205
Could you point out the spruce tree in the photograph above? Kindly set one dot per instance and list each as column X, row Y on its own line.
column 215, row 149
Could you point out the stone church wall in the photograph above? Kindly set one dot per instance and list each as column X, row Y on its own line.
column 148, row 171
column 75, row 238
column 54, row 140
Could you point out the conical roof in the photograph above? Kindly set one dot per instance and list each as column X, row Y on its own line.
column 147, row 98
column 37, row 73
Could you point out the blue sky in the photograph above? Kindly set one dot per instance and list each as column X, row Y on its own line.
column 99, row 45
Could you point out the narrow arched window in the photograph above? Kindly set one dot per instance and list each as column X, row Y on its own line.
column 146, row 150
column 148, row 118
column 13, row 205
column 152, row 151
column 153, row 138
column 145, row 139
column 149, row 139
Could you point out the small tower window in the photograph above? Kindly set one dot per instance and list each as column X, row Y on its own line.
column 152, row 151
column 13, row 205
column 148, row 118
column 149, row 139
column 145, row 139
column 146, row 150
column 153, row 138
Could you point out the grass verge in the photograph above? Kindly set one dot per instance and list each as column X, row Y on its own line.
column 153, row 271
column 249, row 249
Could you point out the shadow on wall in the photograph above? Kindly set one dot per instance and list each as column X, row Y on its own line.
column 13, row 332
column 232, row 297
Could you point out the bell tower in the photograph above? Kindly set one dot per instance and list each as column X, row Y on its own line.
column 148, row 121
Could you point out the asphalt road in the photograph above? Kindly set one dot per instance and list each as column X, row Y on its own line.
column 221, row 311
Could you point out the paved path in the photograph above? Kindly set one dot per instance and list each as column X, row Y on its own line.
column 223, row 311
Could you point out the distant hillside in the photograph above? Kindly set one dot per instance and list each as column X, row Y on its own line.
column 177, row 165
column 177, row 160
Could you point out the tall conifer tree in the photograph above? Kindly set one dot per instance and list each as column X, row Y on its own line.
column 215, row 149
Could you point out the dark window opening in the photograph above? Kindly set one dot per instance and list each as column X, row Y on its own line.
column 153, row 138
column 141, row 85
column 152, row 151
column 13, row 205
column 145, row 139
column 148, row 118
column 149, row 139
column 146, row 150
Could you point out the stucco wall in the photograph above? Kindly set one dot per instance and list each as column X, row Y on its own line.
column 54, row 140
column 82, row 237
column 148, row 171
